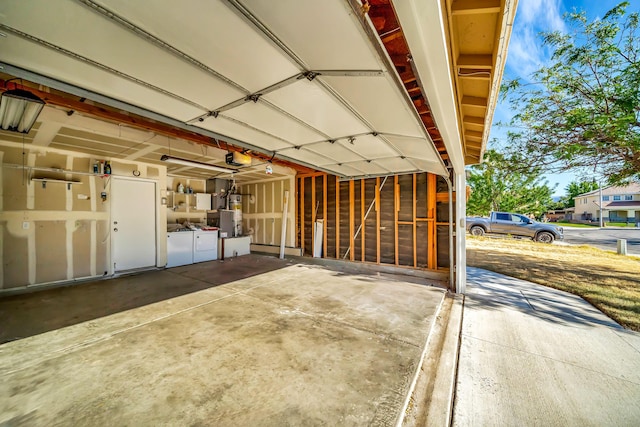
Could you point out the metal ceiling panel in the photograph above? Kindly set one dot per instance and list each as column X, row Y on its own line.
column 379, row 101
column 28, row 55
column 80, row 30
column 370, row 147
column 371, row 168
column 262, row 116
column 307, row 156
column 323, row 34
column 346, row 170
column 186, row 61
column 335, row 151
column 396, row 164
column 428, row 166
column 225, row 126
column 311, row 103
column 212, row 26
column 413, row 147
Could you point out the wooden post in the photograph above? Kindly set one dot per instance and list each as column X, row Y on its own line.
column 313, row 213
column 283, row 236
column 396, row 199
column 362, row 212
column 324, row 215
column 352, row 214
column 432, row 248
column 302, row 215
column 377, row 195
column 337, row 218
column 415, row 214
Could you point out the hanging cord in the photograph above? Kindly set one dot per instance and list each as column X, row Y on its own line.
column 355, row 236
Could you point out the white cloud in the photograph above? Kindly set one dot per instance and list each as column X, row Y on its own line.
column 526, row 53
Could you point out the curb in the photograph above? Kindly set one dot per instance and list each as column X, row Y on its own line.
column 432, row 398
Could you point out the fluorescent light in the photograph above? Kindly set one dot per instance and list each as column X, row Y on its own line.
column 19, row 110
column 194, row 164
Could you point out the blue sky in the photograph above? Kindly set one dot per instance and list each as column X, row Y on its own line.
column 526, row 53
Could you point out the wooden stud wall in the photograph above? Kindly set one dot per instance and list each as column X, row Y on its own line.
column 406, row 222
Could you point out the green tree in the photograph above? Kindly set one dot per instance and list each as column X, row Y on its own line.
column 583, row 108
column 497, row 184
column 575, row 188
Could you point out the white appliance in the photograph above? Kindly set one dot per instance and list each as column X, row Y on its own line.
column 203, row 201
column 235, row 204
column 205, row 245
column 179, row 248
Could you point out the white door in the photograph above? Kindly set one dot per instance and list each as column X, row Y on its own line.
column 133, row 224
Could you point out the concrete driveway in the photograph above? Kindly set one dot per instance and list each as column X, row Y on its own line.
column 299, row 345
column 535, row 356
column 605, row 238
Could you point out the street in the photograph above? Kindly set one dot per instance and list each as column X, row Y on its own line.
column 605, row 238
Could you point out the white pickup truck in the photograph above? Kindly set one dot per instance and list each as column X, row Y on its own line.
column 515, row 225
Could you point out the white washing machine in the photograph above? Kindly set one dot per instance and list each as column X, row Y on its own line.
column 205, row 245
column 179, row 248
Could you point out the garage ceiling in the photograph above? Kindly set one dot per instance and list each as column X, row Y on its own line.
column 303, row 80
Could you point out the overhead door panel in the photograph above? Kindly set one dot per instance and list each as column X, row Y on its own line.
column 28, row 55
column 214, row 34
column 309, row 102
column 92, row 36
column 263, row 117
column 378, row 101
column 321, row 33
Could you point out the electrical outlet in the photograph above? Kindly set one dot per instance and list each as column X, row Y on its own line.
column 25, row 225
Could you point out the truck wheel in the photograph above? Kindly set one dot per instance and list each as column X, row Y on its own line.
column 545, row 237
column 476, row 230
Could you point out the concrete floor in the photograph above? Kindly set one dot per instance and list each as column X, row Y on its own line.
column 298, row 345
column 535, row 356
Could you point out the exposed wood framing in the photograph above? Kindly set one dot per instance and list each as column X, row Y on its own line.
column 405, row 217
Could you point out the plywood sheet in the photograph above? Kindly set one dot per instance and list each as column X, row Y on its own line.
column 51, row 251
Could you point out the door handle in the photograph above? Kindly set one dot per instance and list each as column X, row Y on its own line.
column 115, row 229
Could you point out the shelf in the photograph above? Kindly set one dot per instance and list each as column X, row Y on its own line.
column 59, row 181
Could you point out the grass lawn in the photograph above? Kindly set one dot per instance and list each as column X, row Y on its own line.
column 609, row 281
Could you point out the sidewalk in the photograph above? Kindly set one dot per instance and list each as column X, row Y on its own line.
column 531, row 355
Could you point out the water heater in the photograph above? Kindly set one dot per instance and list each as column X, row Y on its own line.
column 235, row 205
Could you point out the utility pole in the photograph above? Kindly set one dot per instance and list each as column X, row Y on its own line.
column 601, row 210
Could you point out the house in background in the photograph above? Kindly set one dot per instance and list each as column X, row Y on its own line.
column 619, row 204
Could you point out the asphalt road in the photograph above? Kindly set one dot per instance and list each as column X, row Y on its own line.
column 605, row 238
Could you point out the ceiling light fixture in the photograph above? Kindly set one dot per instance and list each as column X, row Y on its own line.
column 19, row 110
column 194, row 164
